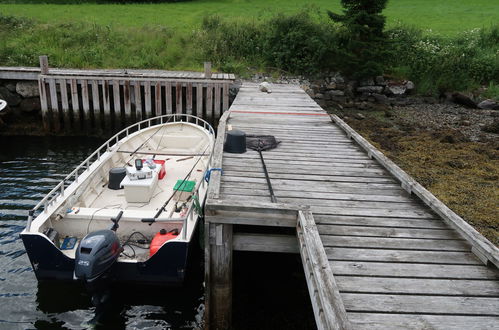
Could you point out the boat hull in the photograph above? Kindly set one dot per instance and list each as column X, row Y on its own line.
column 166, row 267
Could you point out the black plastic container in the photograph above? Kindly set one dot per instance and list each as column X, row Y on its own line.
column 116, row 175
column 235, row 142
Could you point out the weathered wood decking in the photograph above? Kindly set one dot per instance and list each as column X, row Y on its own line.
column 379, row 251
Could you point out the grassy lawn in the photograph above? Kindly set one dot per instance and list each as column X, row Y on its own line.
column 446, row 17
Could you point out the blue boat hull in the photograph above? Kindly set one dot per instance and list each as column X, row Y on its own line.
column 166, row 267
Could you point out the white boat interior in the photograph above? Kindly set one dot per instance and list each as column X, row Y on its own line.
column 176, row 153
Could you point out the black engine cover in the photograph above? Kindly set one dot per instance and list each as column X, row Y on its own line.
column 97, row 252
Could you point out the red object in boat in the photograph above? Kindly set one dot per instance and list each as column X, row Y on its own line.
column 159, row 239
column 162, row 171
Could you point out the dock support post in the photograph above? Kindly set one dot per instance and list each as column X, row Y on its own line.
column 219, row 276
column 207, row 70
column 44, row 64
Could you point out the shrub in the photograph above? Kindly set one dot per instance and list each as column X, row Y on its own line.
column 439, row 64
column 295, row 44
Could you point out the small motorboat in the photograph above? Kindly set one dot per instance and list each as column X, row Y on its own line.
column 129, row 211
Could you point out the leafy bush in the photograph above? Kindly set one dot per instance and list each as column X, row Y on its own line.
column 295, row 44
column 298, row 44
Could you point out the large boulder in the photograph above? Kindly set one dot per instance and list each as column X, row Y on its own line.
column 12, row 99
column 27, row 89
column 488, row 105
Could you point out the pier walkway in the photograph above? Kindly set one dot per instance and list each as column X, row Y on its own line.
column 378, row 250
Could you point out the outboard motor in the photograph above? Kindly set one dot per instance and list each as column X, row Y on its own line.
column 95, row 256
column 97, row 252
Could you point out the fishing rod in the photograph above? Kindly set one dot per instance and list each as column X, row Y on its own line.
column 162, row 209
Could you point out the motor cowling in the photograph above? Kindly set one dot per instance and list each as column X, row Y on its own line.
column 96, row 254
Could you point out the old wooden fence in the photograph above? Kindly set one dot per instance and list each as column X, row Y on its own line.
column 103, row 100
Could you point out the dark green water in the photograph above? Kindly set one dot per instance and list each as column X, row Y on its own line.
column 29, row 168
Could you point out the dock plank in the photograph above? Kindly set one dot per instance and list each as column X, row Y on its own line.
column 372, row 321
column 449, row 305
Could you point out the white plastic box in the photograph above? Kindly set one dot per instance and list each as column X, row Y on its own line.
column 140, row 191
column 133, row 174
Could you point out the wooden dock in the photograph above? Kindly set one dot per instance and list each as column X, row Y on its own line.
column 379, row 251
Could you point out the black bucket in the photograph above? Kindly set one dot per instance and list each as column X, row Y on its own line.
column 116, row 175
column 235, row 142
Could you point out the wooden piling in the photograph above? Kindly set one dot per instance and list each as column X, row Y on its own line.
column 207, row 70
column 44, row 64
column 220, row 240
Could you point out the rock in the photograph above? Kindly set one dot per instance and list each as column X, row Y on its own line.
column 361, row 105
column 349, row 104
column 380, row 80
column 11, row 87
column 380, row 98
column 463, row 100
column 380, row 107
column 331, row 86
column 339, row 79
column 430, row 100
column 315, row 87
column 265, row 87
column 466, row 123
column 367, row 82
column 488, row 105
column 370, row 89
column 319, row 96
column 409, row 85
column 27, row 89
column 334, row 93
column 492, row 127
column 321, row 103
column 30, row 105
column 359, row 116
column 12, row 99
column 395, row 89
column 310, row 92
column 341, row 86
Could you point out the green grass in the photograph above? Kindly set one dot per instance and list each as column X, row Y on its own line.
column 444, row 17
